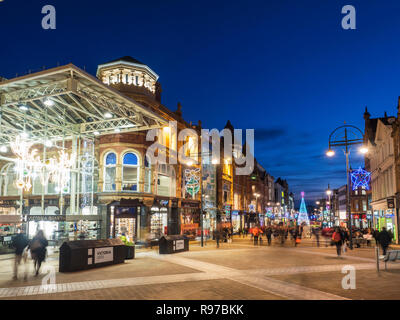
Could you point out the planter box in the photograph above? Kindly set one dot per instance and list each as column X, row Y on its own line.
column 130, row 252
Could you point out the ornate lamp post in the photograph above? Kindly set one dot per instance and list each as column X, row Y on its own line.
column 347, row 136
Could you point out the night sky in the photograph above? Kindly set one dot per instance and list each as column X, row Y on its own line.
column 283, row 67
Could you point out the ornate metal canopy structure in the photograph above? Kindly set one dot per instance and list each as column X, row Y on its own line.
column 66, row 101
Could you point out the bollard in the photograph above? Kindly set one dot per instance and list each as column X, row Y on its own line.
column 377, row 257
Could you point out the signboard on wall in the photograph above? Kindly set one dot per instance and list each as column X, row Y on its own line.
column 390, row 203
column 45, row 218
column 103, row 254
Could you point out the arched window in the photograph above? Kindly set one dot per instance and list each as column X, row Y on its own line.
column 147, row 175
column 166, row 182
column 7, row 180
column 130, row 172
column 110, row 163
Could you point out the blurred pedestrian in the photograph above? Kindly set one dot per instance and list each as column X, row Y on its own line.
column 337, row 238
column 255, row 235
column 384, row 239
column 20, row 242
column 268, row 233
column 38, row 250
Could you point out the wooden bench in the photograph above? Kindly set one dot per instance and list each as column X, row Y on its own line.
column 392, row 255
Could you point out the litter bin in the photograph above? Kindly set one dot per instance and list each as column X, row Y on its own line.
column 173, row 244
column 86, row 254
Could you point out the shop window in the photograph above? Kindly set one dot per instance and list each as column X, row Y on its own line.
column 35, row 211
column 364, row 203
column 52, row 210
column 147, row 175
column 109, row 172
column 166, row 182
column 89, row 210
column 227, row 168
column 130, row 172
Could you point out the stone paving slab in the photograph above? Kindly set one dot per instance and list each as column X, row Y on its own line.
column 141, row 266
column 370, row 284
column 270, row 257
column 220, row 289
column 232, row 265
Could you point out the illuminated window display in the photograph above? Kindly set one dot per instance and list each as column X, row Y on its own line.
column 125, row 222
column 158, row 222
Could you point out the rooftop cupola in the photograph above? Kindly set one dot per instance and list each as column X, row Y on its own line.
column 128, row 75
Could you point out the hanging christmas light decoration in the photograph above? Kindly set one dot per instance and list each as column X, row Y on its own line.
column 360, row 178
column 60, row 170
column 27, row 163
column 192, row 178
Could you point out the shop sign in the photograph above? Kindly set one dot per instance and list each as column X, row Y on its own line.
column 47, row 202
column 125, row 211
column 252, row 208
column 190, row 204
column 45, row 218
column 11, row 203
column 179, row 244
column 103, row 254
column 164, row 203
column 390, row 203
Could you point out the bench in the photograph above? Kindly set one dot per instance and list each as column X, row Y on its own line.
column 392, row 255
column 362, row 242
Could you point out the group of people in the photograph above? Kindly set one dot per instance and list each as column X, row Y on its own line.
column 341, row 237
column 37, row 247
column 280, row 232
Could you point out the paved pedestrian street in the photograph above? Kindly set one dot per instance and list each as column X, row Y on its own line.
column 234, row 271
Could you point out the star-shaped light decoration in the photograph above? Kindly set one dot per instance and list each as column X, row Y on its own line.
column 360, row 178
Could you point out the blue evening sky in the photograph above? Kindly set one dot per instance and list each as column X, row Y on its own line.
column 283, row 67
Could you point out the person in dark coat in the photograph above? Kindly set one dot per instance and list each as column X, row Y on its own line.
column 268, row 233
column 20, row 242
column 38, row 250
column 384, row 239
column 375, row 235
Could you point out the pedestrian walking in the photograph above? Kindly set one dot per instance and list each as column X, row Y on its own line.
column 260, row 235
column 268, row 233
column 38, row 250
column 20, row 242
column 384, row 239
column 337, row 238
column 255, row 235
column 316, row 233
column 230, row 235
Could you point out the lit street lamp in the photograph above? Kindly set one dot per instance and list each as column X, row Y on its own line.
column 347, row 136
column 329, row 193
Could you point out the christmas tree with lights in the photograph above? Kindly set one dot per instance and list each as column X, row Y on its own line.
column 303, row 215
